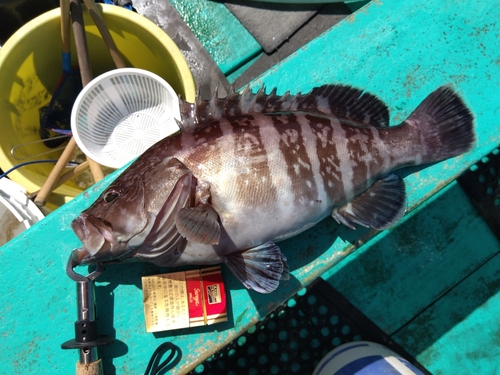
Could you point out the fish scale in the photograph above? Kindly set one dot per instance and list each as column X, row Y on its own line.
column 302, row 163
column 251, row 170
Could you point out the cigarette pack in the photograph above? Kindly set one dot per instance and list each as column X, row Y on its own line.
column 184, row 299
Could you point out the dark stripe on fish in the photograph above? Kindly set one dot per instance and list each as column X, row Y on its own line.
column 293, row 147
column 328, row 156
column 254, row 183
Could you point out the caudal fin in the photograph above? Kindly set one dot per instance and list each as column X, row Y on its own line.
column 445, row 124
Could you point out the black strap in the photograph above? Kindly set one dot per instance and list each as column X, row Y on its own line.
column 155, row 366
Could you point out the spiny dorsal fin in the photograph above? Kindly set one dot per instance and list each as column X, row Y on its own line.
column 345, row 102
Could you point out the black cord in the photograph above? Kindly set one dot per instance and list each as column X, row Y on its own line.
column 173, row 359
column 32, row 162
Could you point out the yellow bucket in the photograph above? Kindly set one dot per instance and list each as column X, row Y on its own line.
column 30, row 68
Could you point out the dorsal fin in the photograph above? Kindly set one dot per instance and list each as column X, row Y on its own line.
column 345, row 102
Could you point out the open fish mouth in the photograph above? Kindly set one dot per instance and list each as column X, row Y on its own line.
column 96, row 236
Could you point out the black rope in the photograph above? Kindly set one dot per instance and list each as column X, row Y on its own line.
column 155, row 367
column 33, row 162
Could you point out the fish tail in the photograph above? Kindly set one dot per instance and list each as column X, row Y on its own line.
column 445, row 125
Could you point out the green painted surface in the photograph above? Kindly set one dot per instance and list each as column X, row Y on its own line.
column 222, row 35
column 398, row 50
column 460, row 333
column 403, row 270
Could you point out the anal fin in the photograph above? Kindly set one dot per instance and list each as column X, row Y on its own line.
column 379, row 207
column 259, row 268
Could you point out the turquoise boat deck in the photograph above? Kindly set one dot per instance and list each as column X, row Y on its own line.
column 432, row 282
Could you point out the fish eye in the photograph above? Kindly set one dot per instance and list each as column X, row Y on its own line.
column 111, row 195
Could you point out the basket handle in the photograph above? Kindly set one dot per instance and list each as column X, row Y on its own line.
column 65, row 29
column 82, row 49
column 51, row 180
column 106, row 35
column 85, row 69
column 86, row 74
column 72, row 173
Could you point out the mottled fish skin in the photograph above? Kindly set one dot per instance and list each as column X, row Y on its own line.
column 272, row 167
column 254, row 169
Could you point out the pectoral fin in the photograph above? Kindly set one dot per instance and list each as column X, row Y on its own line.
column 259, row 268
column 199, row 224
column 379, row 207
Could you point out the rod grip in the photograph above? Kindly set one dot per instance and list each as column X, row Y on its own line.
column 48, row 186
column 106, row 35
column 94, row 368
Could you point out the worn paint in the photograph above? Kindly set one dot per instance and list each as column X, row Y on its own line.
column 403, row 270
column 461, row 330
column 223, row 36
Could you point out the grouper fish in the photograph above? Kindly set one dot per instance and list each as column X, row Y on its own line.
column 247, row 171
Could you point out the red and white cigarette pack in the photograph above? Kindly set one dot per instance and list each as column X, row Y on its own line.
column 184, row 299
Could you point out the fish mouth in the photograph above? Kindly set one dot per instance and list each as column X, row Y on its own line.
column 97, row 239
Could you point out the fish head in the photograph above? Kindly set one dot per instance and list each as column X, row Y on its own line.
column 132, row 213
column 108, row 226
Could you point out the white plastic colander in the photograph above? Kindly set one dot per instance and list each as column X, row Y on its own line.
column 121, row 113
